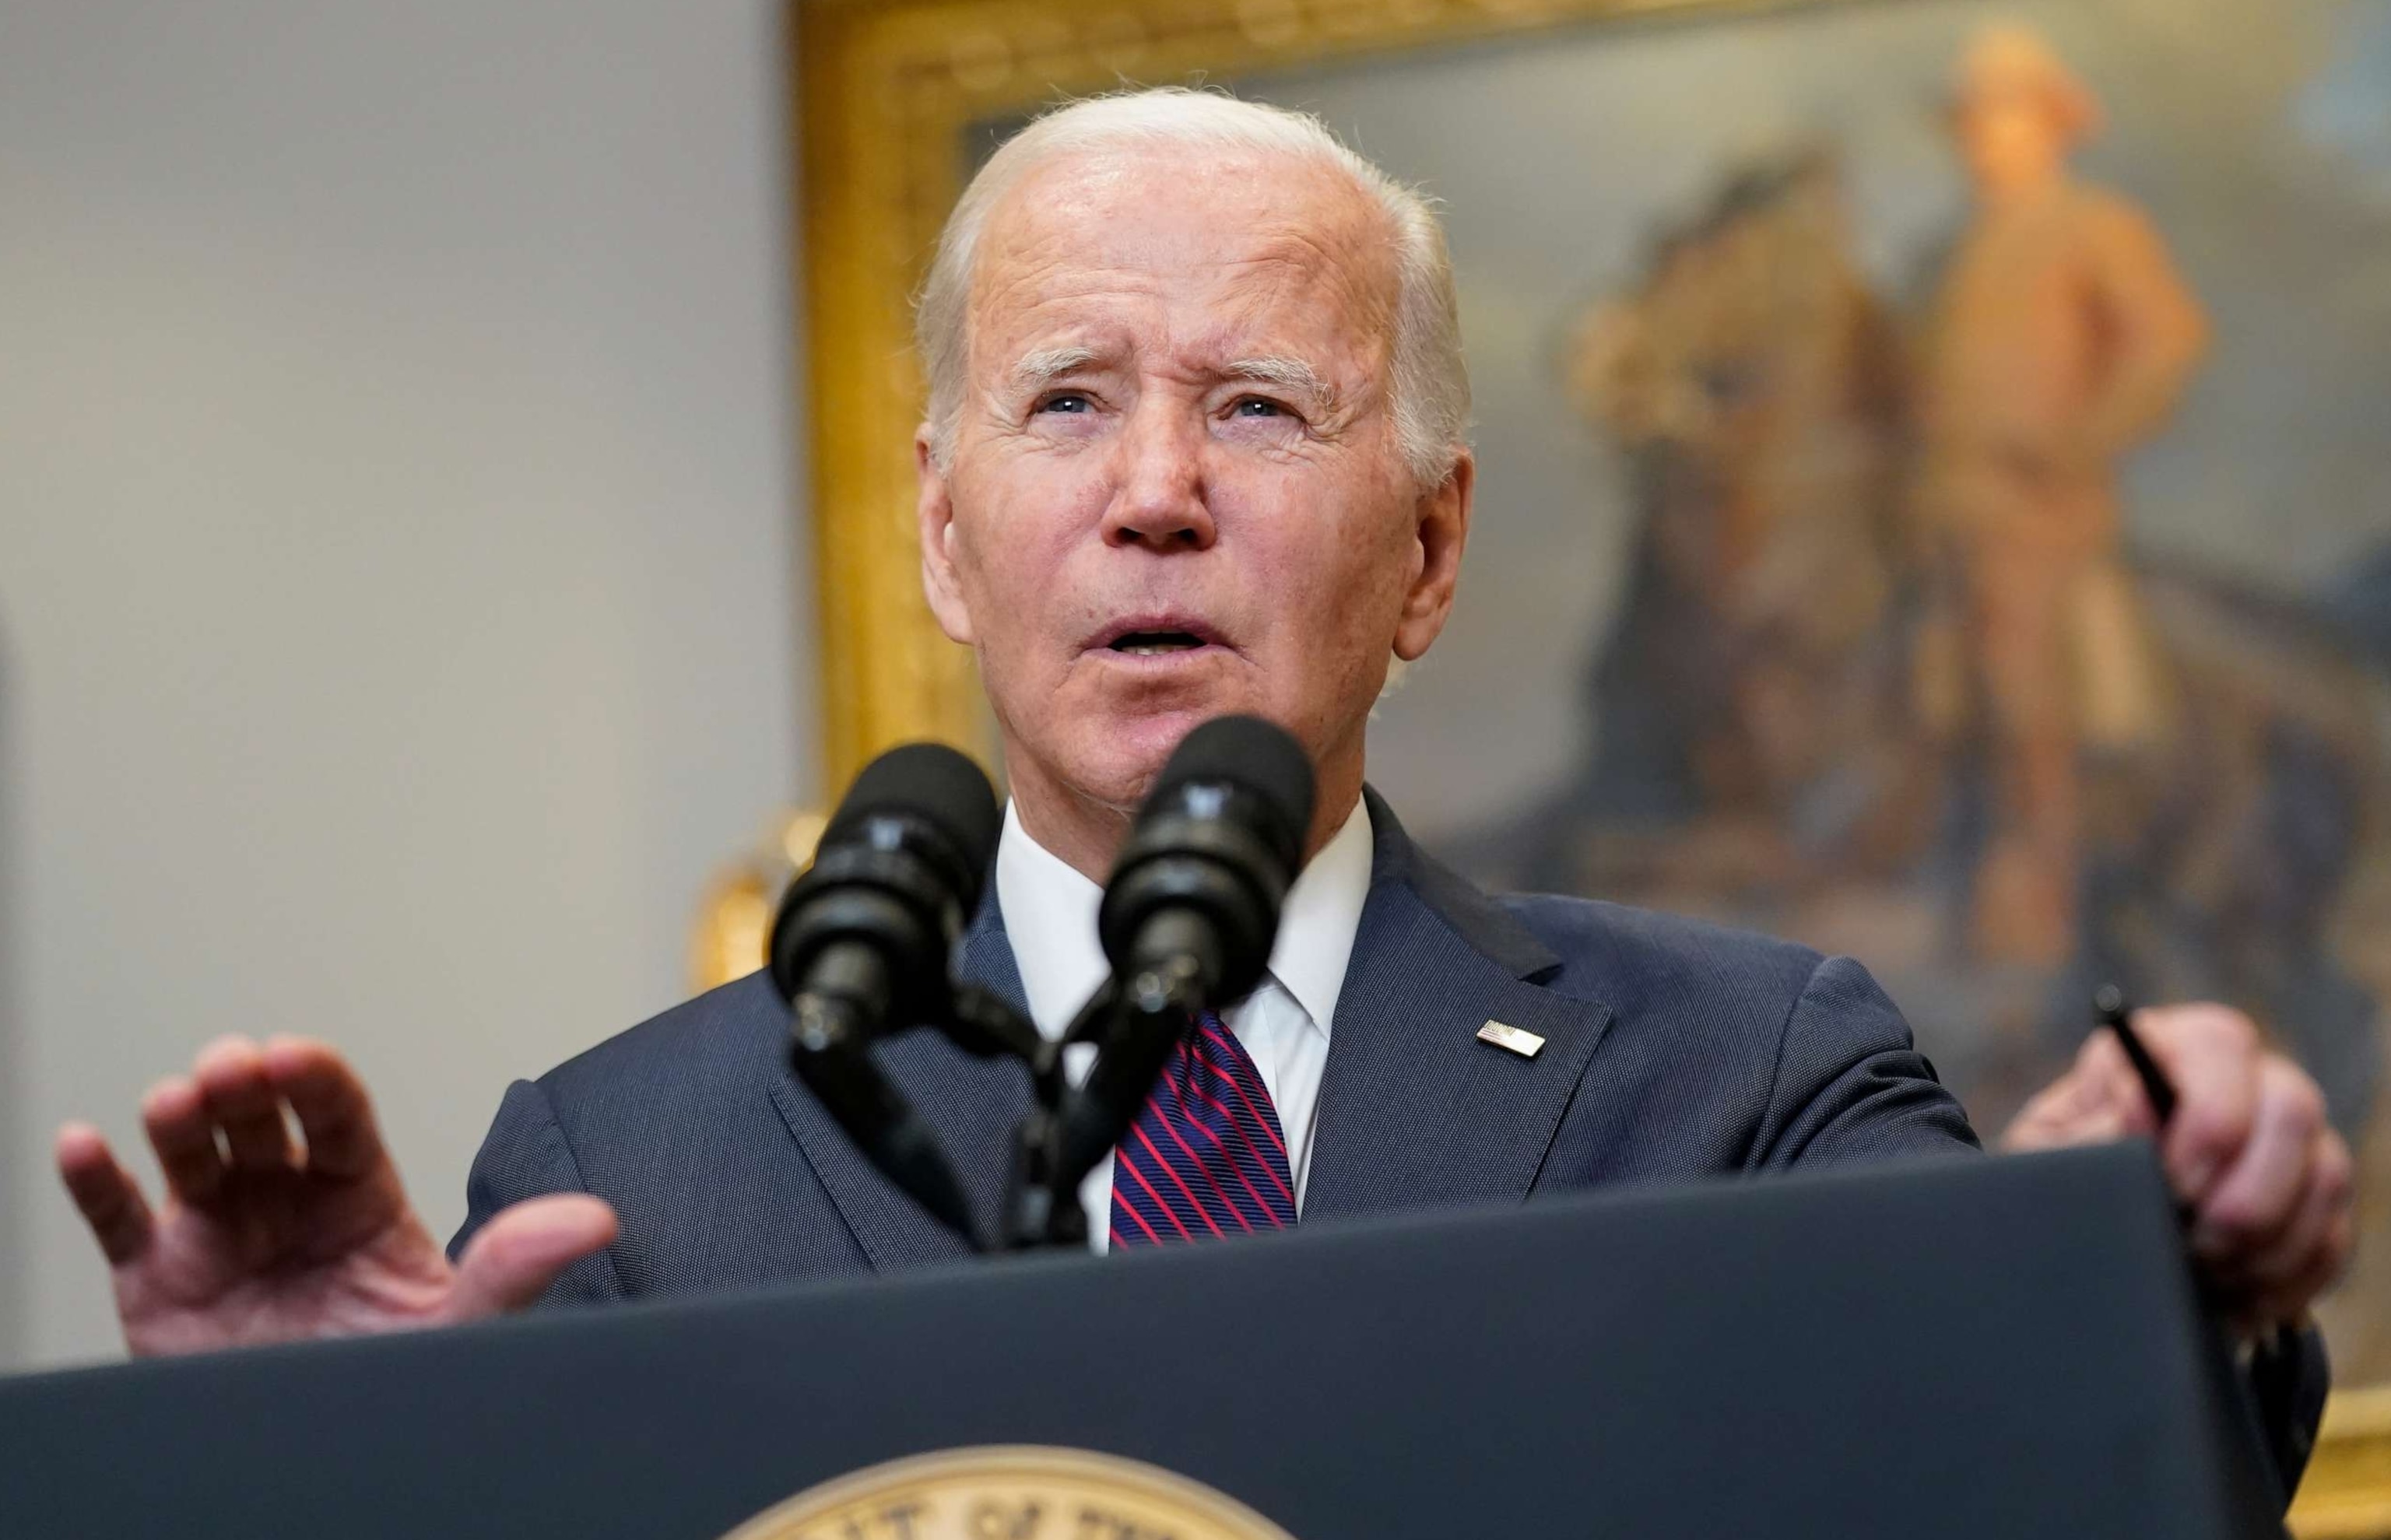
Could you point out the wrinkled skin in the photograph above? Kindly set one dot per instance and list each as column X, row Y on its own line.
column 264, row 1238
column 1163, row 481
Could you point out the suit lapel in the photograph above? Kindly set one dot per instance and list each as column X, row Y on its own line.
column 973, row 1106
column 1414, row 1111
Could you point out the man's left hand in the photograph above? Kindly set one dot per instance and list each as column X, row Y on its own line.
column 2266, row 1180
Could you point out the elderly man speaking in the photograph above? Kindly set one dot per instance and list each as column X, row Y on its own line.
column 1195, row 445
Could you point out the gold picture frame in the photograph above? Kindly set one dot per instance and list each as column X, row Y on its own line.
column 884, row 91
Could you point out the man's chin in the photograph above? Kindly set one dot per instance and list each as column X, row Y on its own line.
column 1116, row 758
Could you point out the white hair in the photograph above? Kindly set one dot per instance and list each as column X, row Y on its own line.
column 1428, row 387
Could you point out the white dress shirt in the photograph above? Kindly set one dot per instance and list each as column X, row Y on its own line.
column 1049, row 916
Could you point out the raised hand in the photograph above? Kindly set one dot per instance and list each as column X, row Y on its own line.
column 264, row 1238
column 2266, row 1179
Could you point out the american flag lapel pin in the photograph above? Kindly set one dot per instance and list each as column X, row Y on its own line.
column 1502, row 1034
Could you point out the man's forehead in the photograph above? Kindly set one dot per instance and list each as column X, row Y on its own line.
column 1073, row 344
column 1232, row 234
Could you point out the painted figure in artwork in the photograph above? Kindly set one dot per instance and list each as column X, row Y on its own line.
column 2060, row 340
column 1755, row 386
column 1883, row 675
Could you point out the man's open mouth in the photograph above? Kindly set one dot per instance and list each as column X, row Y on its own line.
column 1147, row 644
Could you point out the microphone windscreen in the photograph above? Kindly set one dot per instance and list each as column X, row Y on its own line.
column 1260, row 757
column 937, row 784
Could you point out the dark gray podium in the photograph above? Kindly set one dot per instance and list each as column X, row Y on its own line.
column 1971, row 1347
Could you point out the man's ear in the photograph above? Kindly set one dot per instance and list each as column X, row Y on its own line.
column 1442, row 531
column 934, row 510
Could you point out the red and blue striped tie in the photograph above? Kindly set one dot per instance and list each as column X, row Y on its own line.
column 1205, row 1156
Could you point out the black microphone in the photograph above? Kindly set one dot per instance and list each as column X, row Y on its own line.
column 1196, row 893
column 860, row 945
column 1190, row 914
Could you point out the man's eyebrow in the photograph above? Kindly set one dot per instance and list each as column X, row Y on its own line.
column 1043, row 365
column 1290, row 374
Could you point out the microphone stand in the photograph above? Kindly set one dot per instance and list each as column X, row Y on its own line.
column 1068, row 1131
column 1134, row 1027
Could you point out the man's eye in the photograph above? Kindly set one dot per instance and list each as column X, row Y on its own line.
column 1256, row 406
column 1068, row 402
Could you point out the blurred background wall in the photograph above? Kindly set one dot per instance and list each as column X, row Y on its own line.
column 400, row 595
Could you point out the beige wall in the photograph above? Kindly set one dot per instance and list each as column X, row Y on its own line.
column 397, row 548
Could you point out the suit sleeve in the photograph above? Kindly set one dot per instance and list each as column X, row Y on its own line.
column 1849, row 1085
column 526, row 1155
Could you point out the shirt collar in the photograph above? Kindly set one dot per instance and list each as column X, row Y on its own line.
column 1050, row 917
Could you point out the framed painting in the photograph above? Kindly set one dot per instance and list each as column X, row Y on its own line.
column 1974, row 563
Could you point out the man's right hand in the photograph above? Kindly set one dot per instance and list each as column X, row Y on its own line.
column 264, row 1238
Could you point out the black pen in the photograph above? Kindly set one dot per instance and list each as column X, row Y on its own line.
column 2110, row 1006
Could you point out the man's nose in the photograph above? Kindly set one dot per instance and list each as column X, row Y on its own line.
column 1159, row 497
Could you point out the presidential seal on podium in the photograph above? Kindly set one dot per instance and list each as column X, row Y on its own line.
column 1010, row 1491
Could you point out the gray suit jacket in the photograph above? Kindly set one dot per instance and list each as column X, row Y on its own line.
column 1674, row 1050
